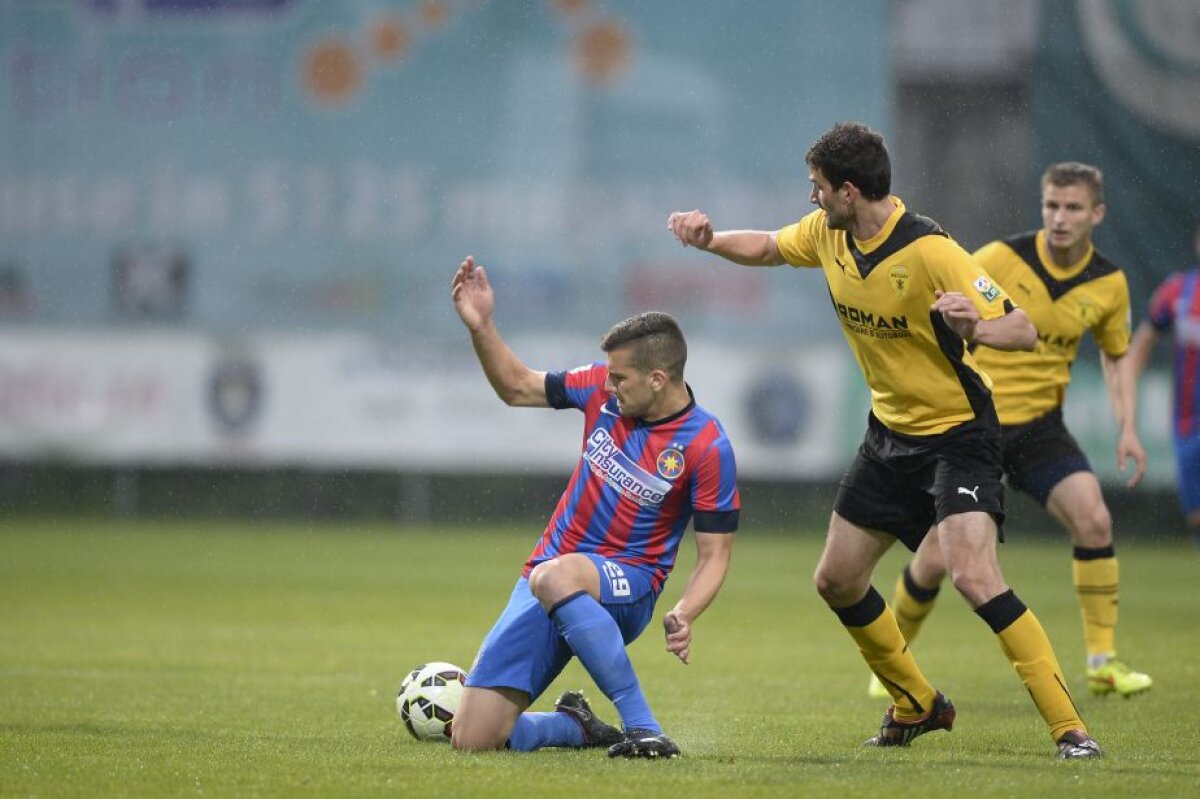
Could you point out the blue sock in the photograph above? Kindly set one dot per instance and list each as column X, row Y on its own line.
column 596, row 640
column 535, row 730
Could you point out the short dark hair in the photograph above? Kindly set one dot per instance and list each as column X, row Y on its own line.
column 1074, row 173
column 655, row 339
column 853, row 153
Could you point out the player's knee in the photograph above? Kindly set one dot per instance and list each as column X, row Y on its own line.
column 541, row 579
column 977, row 585
column 833, row 587
column 1095, row 528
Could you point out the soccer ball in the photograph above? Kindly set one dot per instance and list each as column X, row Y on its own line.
column 428, row 698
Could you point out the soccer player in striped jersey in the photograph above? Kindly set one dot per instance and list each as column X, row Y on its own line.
column 652, row 461
column 911, row 303
column 1069, row 289
column 1175, row 308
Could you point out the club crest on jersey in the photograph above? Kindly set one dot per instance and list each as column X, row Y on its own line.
column 670, row 463
column 899, row 280
column 1089, row 313
column 986, row 289
column 622, row 473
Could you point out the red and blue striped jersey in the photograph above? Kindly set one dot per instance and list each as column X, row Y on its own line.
column 637, row 483
column 1176, row 306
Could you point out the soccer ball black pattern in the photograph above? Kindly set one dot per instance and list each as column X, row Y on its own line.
column 428, row 698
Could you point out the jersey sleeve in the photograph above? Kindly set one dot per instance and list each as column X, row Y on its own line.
column 1162, row 304
column 715, row 499
column 953, row 269
column 992, row 257
column 573, row 388
column 1112, row 332
column 797, row 243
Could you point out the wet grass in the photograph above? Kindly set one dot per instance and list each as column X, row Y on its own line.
column 156, row 659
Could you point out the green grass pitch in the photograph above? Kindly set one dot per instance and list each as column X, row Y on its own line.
column 182, row 659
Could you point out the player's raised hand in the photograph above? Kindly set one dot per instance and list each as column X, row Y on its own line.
column 959, row 312
column 679, row 635
column 1129, row 447
column 472, row 294
column 691, row 228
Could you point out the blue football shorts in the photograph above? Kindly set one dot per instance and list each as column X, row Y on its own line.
column 1187, row 459
column 524, row 649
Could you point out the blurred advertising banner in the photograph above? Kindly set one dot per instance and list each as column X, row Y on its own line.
column 254, row 165
column 349, row 400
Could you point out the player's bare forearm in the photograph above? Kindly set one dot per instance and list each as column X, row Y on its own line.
column 1013, row 331
column 1122, row 394
column 473, row 298
column 1118, row 380
column 745, row 247
column 514, row 382
column 1140, row 348
column 713, row 551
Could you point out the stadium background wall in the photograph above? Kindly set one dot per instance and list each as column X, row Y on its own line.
column 226, row 228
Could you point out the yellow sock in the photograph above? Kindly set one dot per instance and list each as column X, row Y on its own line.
column 1096, row 576
column 1028, row 649
column 911, row 604
column 872, row 625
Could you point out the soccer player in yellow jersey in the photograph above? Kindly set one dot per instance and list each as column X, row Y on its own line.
column 1068, row 289
column 911, row 304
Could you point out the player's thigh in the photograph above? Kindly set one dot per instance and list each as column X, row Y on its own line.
column 485, row 717
column 554, row 580
column 1078, row 505
column 1039, row 455
column 968, row 546
column 851, row 552
column 523, row 651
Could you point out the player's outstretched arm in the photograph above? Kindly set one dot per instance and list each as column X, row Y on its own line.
column 713, row 552
column 1121, row 382
column 512, row 380
column 745, row 247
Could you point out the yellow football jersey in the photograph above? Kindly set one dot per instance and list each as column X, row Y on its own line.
column 1064, row 303
column 923, row 380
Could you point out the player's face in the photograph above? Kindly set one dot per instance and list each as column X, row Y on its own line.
column 1069, row 215
column 834, row 202
column 630, row 386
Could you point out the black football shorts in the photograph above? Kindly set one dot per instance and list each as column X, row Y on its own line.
column 1038, row 455
column 903, row 485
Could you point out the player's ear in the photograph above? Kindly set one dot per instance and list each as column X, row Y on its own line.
column 1098, row 213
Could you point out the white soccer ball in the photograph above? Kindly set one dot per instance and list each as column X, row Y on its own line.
column 428, row 699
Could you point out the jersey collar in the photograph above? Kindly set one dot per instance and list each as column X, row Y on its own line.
column 682, row 412
column 869, row 245
column 1061, row 272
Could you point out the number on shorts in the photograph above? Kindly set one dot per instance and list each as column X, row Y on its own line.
column 616, row 578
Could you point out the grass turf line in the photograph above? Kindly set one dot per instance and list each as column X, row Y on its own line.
column 262, row 659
